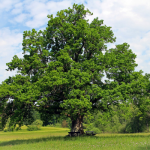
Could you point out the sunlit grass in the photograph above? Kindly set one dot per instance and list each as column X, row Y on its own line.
column 24, row 134
column 52, row 138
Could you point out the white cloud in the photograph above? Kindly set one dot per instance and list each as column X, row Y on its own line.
column 40, row 12
column 20, row 18
column 18, row 8
column 6, row 5
column 129, row 21
column 10, row 44
column 8, row 41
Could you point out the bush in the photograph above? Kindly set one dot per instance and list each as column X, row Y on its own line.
column 33, row 128
column 38, row 123
column 18, row 128
column 58, row 125
column 35, row 125
column 90, row 127
column 5, row 130
column 85, row 126
column 11, row 129
column 96, row 130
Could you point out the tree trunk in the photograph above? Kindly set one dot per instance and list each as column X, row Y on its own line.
column 147, row 127
column 77, row 125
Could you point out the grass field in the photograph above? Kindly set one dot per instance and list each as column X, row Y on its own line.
column 52, row 138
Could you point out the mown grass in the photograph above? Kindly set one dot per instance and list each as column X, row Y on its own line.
column 52, row 138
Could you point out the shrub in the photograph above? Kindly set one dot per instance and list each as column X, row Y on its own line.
column 33, row 128
column 58, row 125
column 38, row 123
column 90, row 127
column 18, row 128
column 85, row 126
column 5, row 130
column 11, row 129
column 7, row 123
column 96, row 130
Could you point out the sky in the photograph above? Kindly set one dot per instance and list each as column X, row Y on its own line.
column 130, row 23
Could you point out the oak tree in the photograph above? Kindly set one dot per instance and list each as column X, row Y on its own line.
column 62, row 69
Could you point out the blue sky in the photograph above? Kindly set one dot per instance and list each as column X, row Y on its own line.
column 130, row 22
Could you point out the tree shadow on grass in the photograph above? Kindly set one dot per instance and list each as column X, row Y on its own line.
column 28, row 141
column 48, row 138
column 59, row 138
column 43, row 139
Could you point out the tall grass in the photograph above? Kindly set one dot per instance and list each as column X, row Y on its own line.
column 52, row 138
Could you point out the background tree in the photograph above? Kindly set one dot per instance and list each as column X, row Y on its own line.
column 62, row 69
column 35, row 116
column 0, row 121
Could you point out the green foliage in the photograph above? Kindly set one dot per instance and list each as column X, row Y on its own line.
column 123, row 119
column 17, row 128
column 58, row 125
column 33, row 128
column 38, row 123
column 36, row 115
column 8, row 123
column 31, row 118
column 91, row 127
column 66, row 80
column 5, row 130
column 11, row 129
column 96, row 130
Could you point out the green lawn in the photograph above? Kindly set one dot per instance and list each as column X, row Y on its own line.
column 52, row 138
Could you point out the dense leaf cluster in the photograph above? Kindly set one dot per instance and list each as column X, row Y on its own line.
column 123, row 119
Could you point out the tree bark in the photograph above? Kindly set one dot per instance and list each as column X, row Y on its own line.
column 77, row 125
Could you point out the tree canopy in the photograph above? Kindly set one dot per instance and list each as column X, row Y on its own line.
column 62, row 70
